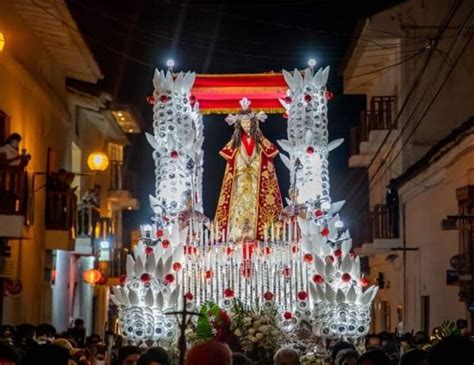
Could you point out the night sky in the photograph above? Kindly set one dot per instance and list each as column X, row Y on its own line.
column 130, row 38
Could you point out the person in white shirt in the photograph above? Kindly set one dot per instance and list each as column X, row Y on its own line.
column 9, row 154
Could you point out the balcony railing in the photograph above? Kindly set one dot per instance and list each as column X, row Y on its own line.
column 381, row 223
column 379, row 116
column 121, row 179
column 60, row 211
column 13, row 192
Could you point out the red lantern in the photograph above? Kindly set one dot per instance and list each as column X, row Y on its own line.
column 268, row 295
column 122, row 279
column 164, row 98
column 208, row 274
column 329, row 95
column 287, row 315
column 310, row 150
column 145, row 278
column 12, row 288
column 318, row 279
column 169, row 278
column 318, row 213
column 302, row 295
column 364, row 282
column 165, row 244
column 308, row 258
column 148, row 250
column 229, row 293
column 308, row 98
column 325, row 232
column 286, row 272
column 189, row 296
column 91, row 276
column 346, row 277
column 288, row 100
column 160, row 233
column 177, row 266
column 338, row 252
column 174, row 154
column 151, row 99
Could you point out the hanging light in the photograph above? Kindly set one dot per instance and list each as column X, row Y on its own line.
column 98, row 161
column 2, row 41
column 92, row 276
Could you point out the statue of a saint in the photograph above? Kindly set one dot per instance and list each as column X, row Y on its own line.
column 250, row 197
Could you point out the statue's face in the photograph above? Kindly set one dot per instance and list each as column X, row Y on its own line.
column 246, row 125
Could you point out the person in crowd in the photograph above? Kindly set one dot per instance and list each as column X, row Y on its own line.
column 45, row 333
column 47, row 355
column 373, row 341
column 189, row 213
column 346, row 356
column 209, row 353
column 240, row 359
column 338, row 346
column 286, row 356
column 8, row 355
column 128, row 355
column 78, row 332
column 374, row 357
column 75, row 354
column 154, row 356
column 9, row 152
column 457, row 350
column 89, row 210
column 8, row 334
column 414, row 357
column 420, row 338
column 25, row 338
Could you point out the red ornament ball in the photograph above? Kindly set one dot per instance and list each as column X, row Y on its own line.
column 330, row 258
column 302, row 295
column 318, row 213
column 308, row 258
column 148, row 250
column 267, row 251
column 295, row 249
column 268, row 295
column 308, row 98
column 288, row 99
column 208, row 274
column 329, row 95
column 145, row 278
column 151, row 99
column 165, row 244
column 346, row 277
column 325, row 232
column 229, row 293
column 286, row 272
column 318, row 279
column 364, row 282
column 192, row 100
column 177, row 266
column 169, row 278
column 310, row 150
column 230, row 251
column 122, row 279
column 164, row 98
column 189, row 295
column 287, row 315
column 338, row 252
column 160, row 233
column 174, row 154
column 352, row 254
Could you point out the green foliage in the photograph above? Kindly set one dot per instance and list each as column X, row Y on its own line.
column 209, row 312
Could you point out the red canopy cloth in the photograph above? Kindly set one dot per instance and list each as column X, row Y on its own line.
column 220, row 94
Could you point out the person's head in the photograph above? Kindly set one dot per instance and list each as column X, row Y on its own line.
column 128, row 355
column 240, row 359
column 414, row 357
column 46, row 354
column 420, row 338
column 45, row 332
column 373, row 341
column 154, row 356
column 79, row 323
column 25, row 331
column 452, row 350
column 248, row 124
column 8, row 355
column 339, row 346
column 13, row 140
column 374, row 357
column 346, row 356
column 97, row 188
column 209, row 353
column 286, row 356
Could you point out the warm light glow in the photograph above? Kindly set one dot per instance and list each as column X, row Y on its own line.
column 122, row 118
column 2, row 41
column 119, row 114
column 130, row 130
column 91, row 276
column 98, row 161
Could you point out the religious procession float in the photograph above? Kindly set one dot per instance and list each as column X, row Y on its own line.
column 261, row 273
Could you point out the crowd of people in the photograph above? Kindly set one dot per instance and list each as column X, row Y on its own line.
column 28, row 344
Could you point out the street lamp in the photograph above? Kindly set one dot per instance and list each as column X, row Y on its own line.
column 97, row 161
column 2, row 41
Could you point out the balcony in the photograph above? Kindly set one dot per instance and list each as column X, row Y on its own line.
column 13, row 201
column 377, row 231
column 60, row 220
column 375, row 123
column 122, row 187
